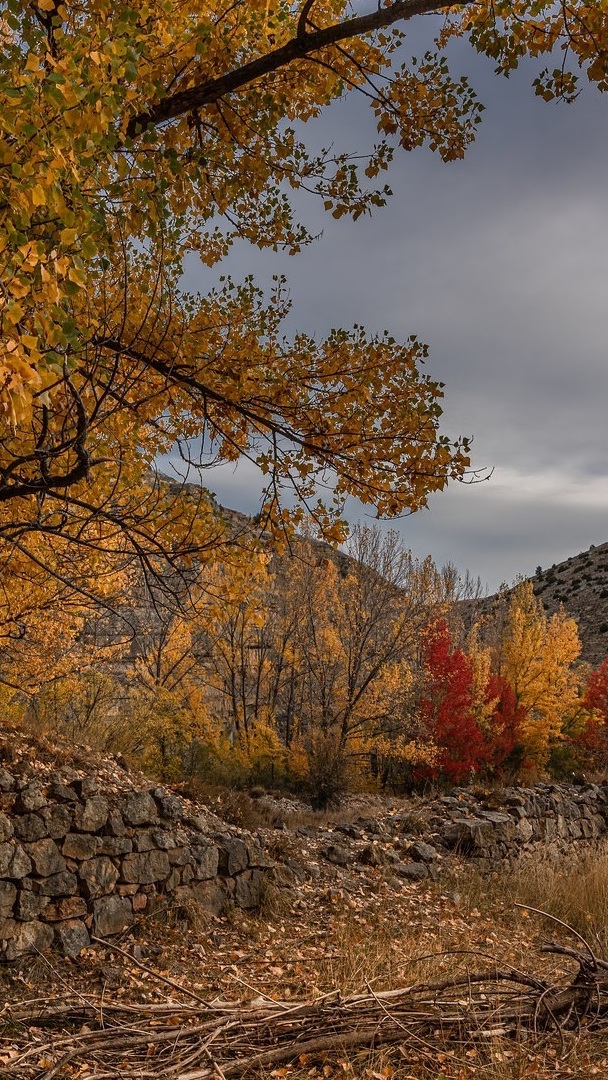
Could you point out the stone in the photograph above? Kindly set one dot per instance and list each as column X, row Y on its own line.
column 197, row 822
column 372, row 855
column 248, row 889
column 86, row 786
column 422, row 852
column 30, row 827
column 140, row 902
column 114, row 845
column 523, row 831
column 207, row 861
column 57, row 821
column 73, row 937
column 412, row 871
column 7, row 780
column 68, row 907
column 8, row 895
column 145, row 867
column 181, row 856
column 140, row 809
column 63, row 884
column 111, row 915
column 468, row 835
column 233, row 855
column 337, row 854
column 115, row 825
column 30, row 937
column 98, row 876
column 92, row 815
column 31, row 797
column 29, row 905
column 46, row 857
column 81, row 846
column 6, row 828
column 14, row 862
column 63, row 792
column 169, row 806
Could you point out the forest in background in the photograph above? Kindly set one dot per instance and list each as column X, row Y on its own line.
column 314, row 672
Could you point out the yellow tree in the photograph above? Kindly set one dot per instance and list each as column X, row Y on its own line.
column 354, row 644
column 134, row 133
column 537, row 658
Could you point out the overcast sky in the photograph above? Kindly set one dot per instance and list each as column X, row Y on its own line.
column 499, row 263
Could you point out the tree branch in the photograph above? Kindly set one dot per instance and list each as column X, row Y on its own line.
column 297, row 48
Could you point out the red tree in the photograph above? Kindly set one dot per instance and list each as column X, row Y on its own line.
column 447, row 707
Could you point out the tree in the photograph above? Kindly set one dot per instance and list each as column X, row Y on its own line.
column 447, row 707
column 537, row 659
column 134, row 133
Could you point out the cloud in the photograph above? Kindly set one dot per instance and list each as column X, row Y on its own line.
column 500, row 263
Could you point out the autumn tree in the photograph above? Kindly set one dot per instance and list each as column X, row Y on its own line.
column 537, row 659
column 353, row 647
column 134, row 134
column 447, row 707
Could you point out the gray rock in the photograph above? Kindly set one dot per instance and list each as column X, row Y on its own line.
column 7, row 780
column 111, row 915
column 30, row 827
column 412, row 871
column 207, row 860
column 98, row 876
column 6, row 828
column 8, row 895
column 14, row 862
column 140, row 809
column 81, row 846
column 73, row 937
column 337, row 854
column 31, row 797
column 86, row 786
column 422, row 852
column 46, row 857
column 233, row 855
column 63, row 792
column 115, row 845
column 248, row 889
column 182, row 856
column 63, row 884
column 92, row 815
column 57, row 821
column 29, row 905
column 30, row 937
column 115, row 825
column 169, row 806
column 145, row 868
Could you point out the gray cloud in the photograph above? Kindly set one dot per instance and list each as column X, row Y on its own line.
column 500, row 263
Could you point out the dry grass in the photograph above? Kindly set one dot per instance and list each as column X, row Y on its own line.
column 574, row 889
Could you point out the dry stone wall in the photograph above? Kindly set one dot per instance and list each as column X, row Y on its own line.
column 521, row 820
column 77, row 861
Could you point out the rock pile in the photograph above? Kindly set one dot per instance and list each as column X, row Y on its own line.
column 78, row 860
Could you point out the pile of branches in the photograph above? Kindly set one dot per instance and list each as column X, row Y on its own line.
column 195, row 1039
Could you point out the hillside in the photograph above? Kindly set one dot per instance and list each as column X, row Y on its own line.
column 581, row 585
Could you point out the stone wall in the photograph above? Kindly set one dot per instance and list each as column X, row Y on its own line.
column 78, row 861
column 507, row 824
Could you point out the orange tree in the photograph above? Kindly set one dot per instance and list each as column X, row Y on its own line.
column 132, row 133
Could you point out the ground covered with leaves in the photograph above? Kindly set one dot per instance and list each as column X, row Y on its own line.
column 348, row 973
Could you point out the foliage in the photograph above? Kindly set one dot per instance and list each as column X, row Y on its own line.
column 537, row 658
column 447, row 706
column 133, row 135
